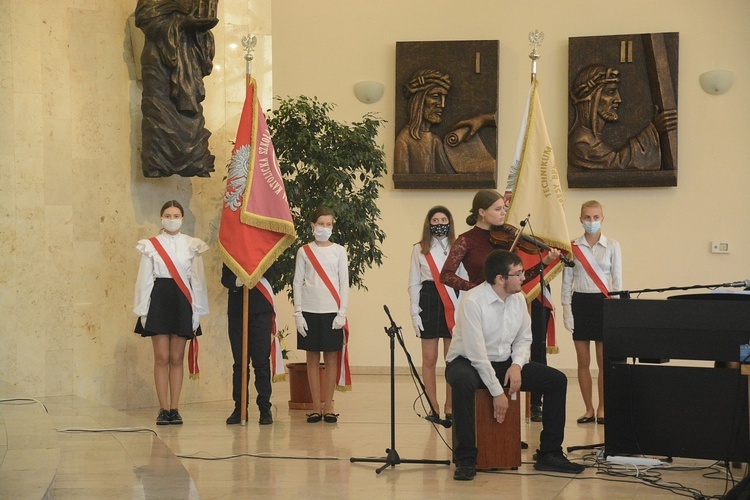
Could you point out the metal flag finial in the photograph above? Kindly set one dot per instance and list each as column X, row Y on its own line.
column 536, row 38
column 249, row 42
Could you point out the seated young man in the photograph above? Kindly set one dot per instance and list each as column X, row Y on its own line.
column 491, row 343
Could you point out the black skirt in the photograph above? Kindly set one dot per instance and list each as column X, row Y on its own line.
column 169, row 312
column 432, row 313
column 321, row 337
column 588, row 316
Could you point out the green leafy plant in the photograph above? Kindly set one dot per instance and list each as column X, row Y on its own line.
column 330, row 163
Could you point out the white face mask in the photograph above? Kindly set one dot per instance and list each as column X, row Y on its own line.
column 591, row 227
column 171, row 224
column 322, row 233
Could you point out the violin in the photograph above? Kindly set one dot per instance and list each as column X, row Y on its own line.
column 506, row 235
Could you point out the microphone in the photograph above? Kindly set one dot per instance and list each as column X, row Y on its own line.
column 435, row 419
column 525, row 221
column 740, row 284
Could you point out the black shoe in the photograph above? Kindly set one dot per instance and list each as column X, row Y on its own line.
column 465, row 472
column 449, row 417
column 556, row 461
column 600, row 420
column 164, row 418
column 536, row 413
column 331, row 418
column 235, row 417
column 313, row 418
column 174, row 416
column 265, row 417
column 585, row 419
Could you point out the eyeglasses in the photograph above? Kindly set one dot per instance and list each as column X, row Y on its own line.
column 519, row 274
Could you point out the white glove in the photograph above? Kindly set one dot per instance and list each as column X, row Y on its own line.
column 416, row 321
column 299, row 320
column 196, row 321
column 339, row 321
column 143, row 321
column 568, row 318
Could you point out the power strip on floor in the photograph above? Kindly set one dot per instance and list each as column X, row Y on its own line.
column 637, row 461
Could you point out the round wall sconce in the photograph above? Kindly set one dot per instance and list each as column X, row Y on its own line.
column 368, row 92
column 717, row 81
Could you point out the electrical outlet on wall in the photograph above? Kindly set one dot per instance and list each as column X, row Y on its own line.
column 719, row 247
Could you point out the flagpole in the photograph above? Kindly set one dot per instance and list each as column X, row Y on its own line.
column 536, row 38
column 248, row 42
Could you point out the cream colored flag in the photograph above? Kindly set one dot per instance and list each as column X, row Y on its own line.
column 534, row 190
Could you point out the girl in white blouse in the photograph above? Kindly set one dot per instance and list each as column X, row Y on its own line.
column 319, row 317
column 598, row 271
column 164, row 311
column 432, row 321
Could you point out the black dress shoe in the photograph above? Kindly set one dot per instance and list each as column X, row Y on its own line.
column 265, row 417
column 234, row 418
column 465, row 472
column 600, row 420
column 585, row 420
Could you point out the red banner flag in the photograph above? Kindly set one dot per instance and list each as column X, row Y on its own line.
column 256, row 223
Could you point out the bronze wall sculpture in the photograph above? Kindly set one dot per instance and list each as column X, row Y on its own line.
column 446, row 104
column 178, row 53
column 623, row 110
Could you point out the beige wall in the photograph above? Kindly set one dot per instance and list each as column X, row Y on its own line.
column 73, row 201
column 322, row 48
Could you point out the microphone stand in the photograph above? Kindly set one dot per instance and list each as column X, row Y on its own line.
column 392, row 459
column 542, row 284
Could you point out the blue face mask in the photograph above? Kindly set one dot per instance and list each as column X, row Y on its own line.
column 592, row 227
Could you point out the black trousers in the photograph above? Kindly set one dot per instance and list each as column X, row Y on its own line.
column 540, row 318
column 464, row 380
column 259, row 353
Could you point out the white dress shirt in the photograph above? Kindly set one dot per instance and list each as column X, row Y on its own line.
column 187, row 251
column 489, row 328
column 308, row 289
column 608, row 256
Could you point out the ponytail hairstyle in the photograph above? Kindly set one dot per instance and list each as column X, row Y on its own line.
column 484, row 199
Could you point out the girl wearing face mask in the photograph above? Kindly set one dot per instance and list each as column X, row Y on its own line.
column 169, row 307
column 432, row 303
column 598, row 270
column 320, row 311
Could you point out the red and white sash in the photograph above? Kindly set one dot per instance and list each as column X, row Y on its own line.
column 586, row 257
column 447, row 297
column 277, row 357
column 181, row 280
column 344, row 378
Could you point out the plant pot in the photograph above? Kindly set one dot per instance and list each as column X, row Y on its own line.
column 299, row 386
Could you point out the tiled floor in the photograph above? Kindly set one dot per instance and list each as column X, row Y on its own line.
column 291, row 458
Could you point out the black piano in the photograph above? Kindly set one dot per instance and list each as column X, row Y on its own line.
column 676, row 410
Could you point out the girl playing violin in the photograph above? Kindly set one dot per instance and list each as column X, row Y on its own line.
column 472, row 248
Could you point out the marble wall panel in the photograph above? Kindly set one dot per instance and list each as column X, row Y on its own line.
column 58, row 323
column 58, row 371
column 7, row 116
column 28, row 121
column 26, row 45
column 5, row 32
column 59, row 179
column 72, row 198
